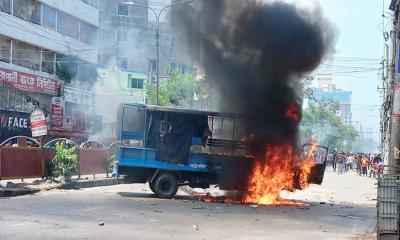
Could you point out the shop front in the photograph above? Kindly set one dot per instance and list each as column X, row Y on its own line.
column 13, row 123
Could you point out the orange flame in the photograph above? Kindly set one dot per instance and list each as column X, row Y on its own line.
column 276, row 173
column 292, row 112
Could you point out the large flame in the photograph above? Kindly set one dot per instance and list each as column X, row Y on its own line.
column 271, row 175
column 281, row 169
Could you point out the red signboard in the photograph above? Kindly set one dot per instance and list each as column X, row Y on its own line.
column 57, row 112
column 28, row 82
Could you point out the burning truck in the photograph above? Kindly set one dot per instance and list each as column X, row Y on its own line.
column 254, row 53
column 170, row 147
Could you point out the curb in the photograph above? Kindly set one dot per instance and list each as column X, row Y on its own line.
column 13, row 192
column 91, row 183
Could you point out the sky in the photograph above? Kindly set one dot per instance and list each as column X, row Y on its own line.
column 359, row 49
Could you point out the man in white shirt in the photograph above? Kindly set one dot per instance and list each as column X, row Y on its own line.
column 349, row 162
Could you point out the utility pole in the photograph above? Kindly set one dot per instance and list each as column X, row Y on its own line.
column 157, row 16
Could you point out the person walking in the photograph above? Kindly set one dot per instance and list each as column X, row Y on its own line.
column 340, row 163
column 358, row 163
column 364, row 165
column 349, row 162
column 334, row 160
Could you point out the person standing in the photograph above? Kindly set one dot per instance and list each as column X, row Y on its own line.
column 349, row 162
column 364, row 165
column 341, row 162
column 334, row 160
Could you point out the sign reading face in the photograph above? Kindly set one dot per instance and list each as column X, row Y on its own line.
column 13, row 122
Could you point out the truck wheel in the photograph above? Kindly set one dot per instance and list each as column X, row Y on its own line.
column 165, row 186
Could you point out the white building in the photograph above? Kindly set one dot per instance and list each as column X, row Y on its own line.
column 39, row 39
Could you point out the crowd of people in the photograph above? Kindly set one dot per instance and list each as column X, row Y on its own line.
column 365, row 164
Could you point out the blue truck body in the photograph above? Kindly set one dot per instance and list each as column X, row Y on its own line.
column 170, row 147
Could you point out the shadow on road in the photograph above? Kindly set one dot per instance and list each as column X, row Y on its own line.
column 152, row 195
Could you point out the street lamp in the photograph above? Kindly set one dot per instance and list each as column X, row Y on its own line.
column 157, row 15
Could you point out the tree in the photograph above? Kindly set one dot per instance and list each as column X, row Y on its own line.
column 65, row 163
column 320, row 121
column 179, row 89
column 67, row 67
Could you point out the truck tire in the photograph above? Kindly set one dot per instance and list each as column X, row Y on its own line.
column 165, row 186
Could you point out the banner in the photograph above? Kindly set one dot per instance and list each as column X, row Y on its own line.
column 28, row 82
column 57, row 112
column 38, row 123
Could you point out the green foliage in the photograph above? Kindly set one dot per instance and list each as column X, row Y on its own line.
column 65, row 163
column 67, row 68
column 179, row 90
column 320, row 121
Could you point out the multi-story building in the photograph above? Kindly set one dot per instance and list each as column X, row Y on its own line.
column 127, row 37
column 326, row 91
column 43, row 45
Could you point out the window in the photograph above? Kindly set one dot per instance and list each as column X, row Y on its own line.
column 122, row 62
column 67, row 25
column 136, row 83
column 27, row 10
column 122, row 36
column 122, row 9
column 49, row 17
column 19, row 100
column 3, row 97
column 88, row 33
column 26, row 55
column 5, row 6
column 48, row 61
column 11, row 99
column 27, row 106
column 5, row 49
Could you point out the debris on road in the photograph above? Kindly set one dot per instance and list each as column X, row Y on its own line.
column 101, row 224
column 195, row 226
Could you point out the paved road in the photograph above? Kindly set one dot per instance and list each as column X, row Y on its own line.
column 131, row 212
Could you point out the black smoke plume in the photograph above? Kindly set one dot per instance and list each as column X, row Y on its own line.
column 255, row 53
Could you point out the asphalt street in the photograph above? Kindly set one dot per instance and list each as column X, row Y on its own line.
column 343, row 207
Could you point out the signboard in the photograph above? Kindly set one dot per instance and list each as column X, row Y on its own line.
column 396, row 103
column 57, row 111
column 74, row 123
column 28, row 82
column 324, row 79
column 77, row 96
column 14, row 123
column 38, row 123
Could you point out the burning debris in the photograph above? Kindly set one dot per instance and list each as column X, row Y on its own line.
column 254, row 54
